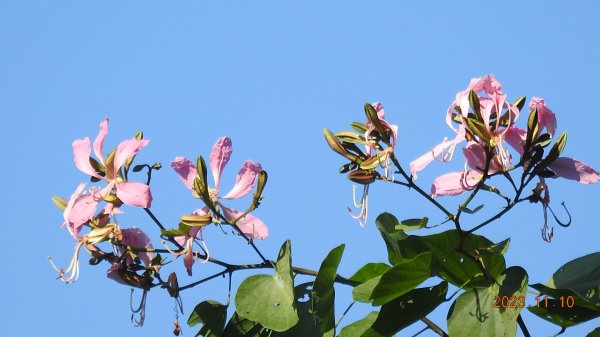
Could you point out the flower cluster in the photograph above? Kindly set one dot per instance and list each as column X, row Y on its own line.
column 245, row 181
column 80, row 210
column 362, row 168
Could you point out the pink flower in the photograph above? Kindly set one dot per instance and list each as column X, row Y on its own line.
column 456, row 183
column 563, row 167
column 131, row 193
column 80, row 209
column 546, row 118
column 244, row 183
column 137, row 239
column 124, row 271
column 187, row 242
column 492, row 103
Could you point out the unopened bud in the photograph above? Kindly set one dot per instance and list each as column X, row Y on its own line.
column 363, row 177
column 196, row 220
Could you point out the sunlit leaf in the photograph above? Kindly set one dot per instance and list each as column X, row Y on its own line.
column 323, row 297
column 386, row 223
column 412, row 224
column 369, row 276
column 269, row 300
column 473, row 313
column 402, row 278
column 359, row 327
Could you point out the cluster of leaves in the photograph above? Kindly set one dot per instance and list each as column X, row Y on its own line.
column 272, row 305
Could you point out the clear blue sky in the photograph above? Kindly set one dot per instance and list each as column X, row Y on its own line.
column 269, row 75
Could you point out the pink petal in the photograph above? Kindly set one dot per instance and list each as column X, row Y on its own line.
column 455, row 183
column 379, row 108
column 81, row 152
column 219, row 157
column 80, row 209
column 136, row 238
column 546, row 118
column 201, row 211
column 515, row 137
column 444, row 149
column 99, row 141
column 244, row 182
column 189, row 260
column 573, row 169
column 113, row 273
column 249, row 225
column 134, row 194
column 186, row 171
column 475, row 156
column 126, row 150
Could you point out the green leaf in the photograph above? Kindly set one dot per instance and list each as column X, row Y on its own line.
column 323, row 291
column 386, row 223
column 471, row 211
column 241, row 327
column 402, row 278
column 407, row 309
column 269, row 300
column 557, row 311
column 581, row 275
column 595, row 333
column 60, row 202
column 368, row 276
column 364, row 291
column 212, row 315
column 359, row 327
column 369, row 271
column 412, row 224
column 306, row 327
column 473, row 313
column 453, row 265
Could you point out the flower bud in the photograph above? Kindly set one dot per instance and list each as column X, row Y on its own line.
column 363, row 177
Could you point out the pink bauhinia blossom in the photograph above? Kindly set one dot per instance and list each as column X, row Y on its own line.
column 80, row 209
column 492, row 103
column 131, row 193
column 187, row 242
column 455, row 183
column 563, row 167
column 250, row 225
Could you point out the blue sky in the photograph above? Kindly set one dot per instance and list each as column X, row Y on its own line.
column 271, row 75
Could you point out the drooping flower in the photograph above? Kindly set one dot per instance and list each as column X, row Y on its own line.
column 131, row 193
column 187, row 242
column 88, row 241
column 250, row 225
